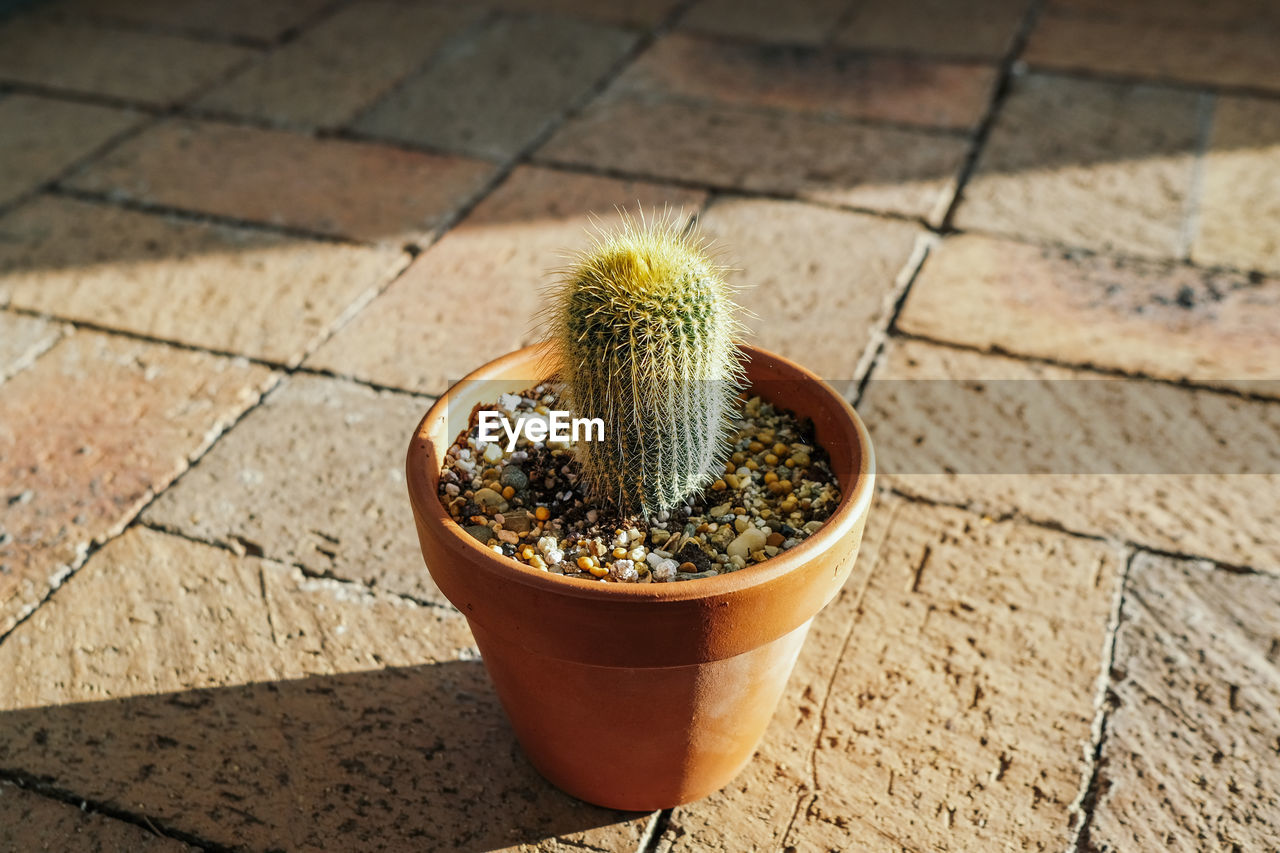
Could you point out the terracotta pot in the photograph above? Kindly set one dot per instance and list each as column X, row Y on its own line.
column 641, row 696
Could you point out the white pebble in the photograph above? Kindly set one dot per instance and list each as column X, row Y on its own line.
column 751, row 539
column 624, row 570
column 665, row 570
column 554, row 556
column 508, row 402
column 451, row 489
column 492, row 453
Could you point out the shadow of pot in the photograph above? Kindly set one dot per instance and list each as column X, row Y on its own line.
column 641, row 696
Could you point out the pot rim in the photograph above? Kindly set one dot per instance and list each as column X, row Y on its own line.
column 423, row 480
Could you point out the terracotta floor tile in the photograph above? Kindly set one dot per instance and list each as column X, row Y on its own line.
column 1240, row 55
column 793, row 22
column 880, row 168
column 1038, row 441
column 959, row 717
column 634, row 13
column 29, row 821
column 228, row 289
column 289, row 712
column 139, row 66
column 88, row 434
column 23, row 339
column 981, row 29
column 1113, row 170
column 349, row 189
column 817, row 280
column 1239, row 216
column 495, row 94
column 475, row 295
column 41, row 138
column 1218, row 13
column 884, row 88
column 1195, row 716
column 1168, row 320
column 340, row 66
column 315, row 477
column 244, row 18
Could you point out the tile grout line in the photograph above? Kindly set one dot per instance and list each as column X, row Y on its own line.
column 158, row 828
column 306, row 571
column 1005, row 74
column 106, row 199
column 116, row 23
column 1103, row 370
column 721, row 189
column 461, row 39
column 893, row 301
column 1086, row 801
column 999, row 91
column 98, row 152
column 1119, row 254
column 811, row 760
column 1016, row 516
column 839, row 24
column 1116, row 78
column 654, row 831
column 959, row 132
column 277, row 366
column 33, row 355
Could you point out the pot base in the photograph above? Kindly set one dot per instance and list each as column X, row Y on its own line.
column 639, row 738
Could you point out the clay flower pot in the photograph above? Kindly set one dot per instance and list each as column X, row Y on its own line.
column 641, row 696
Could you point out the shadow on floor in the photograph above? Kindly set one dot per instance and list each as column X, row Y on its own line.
column 413, row 758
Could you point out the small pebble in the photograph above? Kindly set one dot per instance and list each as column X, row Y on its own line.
column 515, row 477
column 751, row 539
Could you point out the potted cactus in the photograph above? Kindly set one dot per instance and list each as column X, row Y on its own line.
column 632, row 680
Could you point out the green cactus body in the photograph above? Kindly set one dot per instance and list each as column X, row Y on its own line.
column 645, row 333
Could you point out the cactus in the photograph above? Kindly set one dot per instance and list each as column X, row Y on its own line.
column 644, row 332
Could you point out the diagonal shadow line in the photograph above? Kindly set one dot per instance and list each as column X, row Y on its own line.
column 417, row 757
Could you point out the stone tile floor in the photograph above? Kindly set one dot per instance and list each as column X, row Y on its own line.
column 242, row 244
